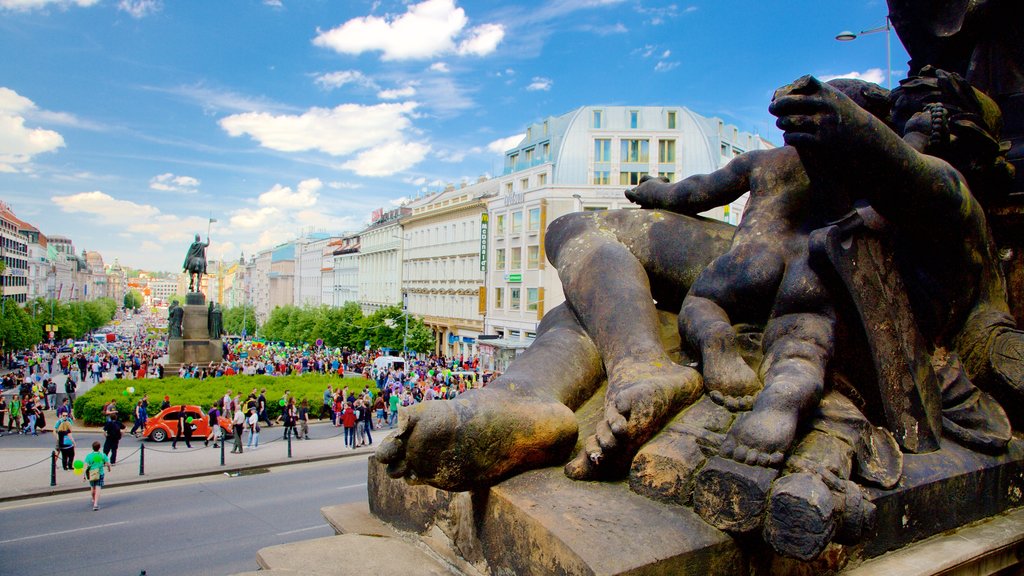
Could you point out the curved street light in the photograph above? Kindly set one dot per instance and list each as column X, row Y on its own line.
column 847, row 36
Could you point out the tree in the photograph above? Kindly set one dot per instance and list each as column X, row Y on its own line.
column 17, row 330
column 133, row 300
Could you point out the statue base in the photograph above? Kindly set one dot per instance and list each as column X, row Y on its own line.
column 195, row 299
column 195, row 345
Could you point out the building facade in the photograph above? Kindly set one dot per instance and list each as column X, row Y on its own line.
column 344, row 271
column 584, row 160
column 14, row 279
column 309, row 264
column 380, row 261
column 442, row 276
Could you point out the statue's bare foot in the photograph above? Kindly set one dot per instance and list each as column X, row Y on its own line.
column 730, row 382
column 760, row 437
column 641, row 398
column 477, row 439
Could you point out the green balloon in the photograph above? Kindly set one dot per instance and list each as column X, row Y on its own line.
column 78, row 464
column 124, row 392
column 281, row 402
column 188, row 420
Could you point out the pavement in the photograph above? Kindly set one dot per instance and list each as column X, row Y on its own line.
column 25, row 461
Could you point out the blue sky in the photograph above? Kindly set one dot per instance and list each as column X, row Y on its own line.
column 126, row 124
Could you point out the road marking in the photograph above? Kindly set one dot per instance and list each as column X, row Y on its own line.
column 351, row 486
column 58, row 533
column 301, row 530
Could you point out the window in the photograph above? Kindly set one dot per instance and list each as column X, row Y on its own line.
column 666, row 151
column 726, row 149
column 499, row 259
column 517, row 259
column 601, row 177
column 533, row 257
column 513, row 298
column 533, row 223
column 630, row 178
column 499, row 225
column 636, row 151
column 529, row 134
column 524, row 184
column 532, row 299
column 528, row 157
column 634, row 118
column 513, row 159
column 499, row 301
column 517, row 222
column 545, row 150
column 542, row 179
column 671, row 120
column 602, row 150
column 598, row 118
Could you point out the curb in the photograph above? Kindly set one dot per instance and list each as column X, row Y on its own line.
column 143, row 480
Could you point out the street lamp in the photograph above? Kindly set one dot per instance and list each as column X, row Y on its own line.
column 847, row 36
column 405, row 335
column 579, row 202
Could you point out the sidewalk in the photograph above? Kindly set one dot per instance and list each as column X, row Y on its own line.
column 25, row 465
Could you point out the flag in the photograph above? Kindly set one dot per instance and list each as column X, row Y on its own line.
column 212, row 220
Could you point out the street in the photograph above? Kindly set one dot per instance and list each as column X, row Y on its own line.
column 208, row 525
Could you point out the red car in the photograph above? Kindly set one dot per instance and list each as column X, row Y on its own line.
column 165, row 424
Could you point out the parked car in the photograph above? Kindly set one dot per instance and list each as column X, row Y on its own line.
column 165, row 424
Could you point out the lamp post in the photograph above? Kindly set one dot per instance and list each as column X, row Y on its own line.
column 847, row 36
column 405, row 334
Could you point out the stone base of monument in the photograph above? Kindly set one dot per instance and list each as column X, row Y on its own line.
column 195, row 345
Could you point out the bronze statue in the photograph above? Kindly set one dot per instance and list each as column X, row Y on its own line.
column 845, row 177
column 195, row 263
column 175, row 315
column 214, row 321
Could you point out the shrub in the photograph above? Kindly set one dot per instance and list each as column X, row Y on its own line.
column 310, row 387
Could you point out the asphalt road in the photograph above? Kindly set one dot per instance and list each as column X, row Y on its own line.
column 201, row 526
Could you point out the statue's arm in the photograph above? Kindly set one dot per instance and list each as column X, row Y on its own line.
column 699, row 192
column 835, row 136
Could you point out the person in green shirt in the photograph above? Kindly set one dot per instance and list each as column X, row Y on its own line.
column 14, row 414
column 96, row 461
column 393, row 402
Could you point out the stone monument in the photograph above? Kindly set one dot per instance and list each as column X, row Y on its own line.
column 827, row 387
column 194, row 330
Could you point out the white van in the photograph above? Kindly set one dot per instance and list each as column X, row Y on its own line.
column 388, row 362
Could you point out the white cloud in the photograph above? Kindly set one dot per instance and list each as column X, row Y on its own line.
column 666, row 54
column 452, row 156
column 106, row 208
column 540, row 83
column 333, row 80
column 396, row 93
column 250, row 219
column 482, row 40
column 18, row 143
column 399, row 201
column 418, row 181
column 439, row 67
column 426, row 30
column 387, row 159
column 876, row 75
column 344, row 185
column 665, row 66
column 25, row 5
column 305, row 195
column 505, row 144
column 337, row 131
column 273, row 3
column 171, row 183
column 140, row 8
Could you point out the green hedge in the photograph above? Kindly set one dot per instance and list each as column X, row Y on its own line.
column 89, row 406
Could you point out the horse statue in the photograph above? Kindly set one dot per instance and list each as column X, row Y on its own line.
column 195, row 263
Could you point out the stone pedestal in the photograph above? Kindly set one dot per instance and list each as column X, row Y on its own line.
column 195, row 345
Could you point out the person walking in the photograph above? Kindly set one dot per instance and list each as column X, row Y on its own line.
column 184, row 430
column 348, row 421
column 304, row 420
column 3, row 413
column 31, row 413
column 140, row 415
column 14, row 414
column 238, row 426
column 254, row 429
column 261, row 408
column 112, row 433
column 289, row 415
column 366, row 415
column 215, row 434
column 96, row 466
column 65, row 442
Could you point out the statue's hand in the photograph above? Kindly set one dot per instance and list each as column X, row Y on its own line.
column 650, row 193
column 810, row 112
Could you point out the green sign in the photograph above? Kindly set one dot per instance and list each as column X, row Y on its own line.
column 515, row 277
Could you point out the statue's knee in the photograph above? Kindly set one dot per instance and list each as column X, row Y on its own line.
column 562, row 230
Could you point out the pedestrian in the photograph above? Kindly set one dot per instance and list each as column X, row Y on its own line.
column 3, row 413
column 365, row 437
column 30, row 415
column 378, row 407
column 110, row 410
column 304, row 419
column 65, row 442
column 393, row 401
column 325, row 412
column 14, row 414
column 141, row 416
column 254, row 429
column 215, row 434
column 237, row 426
column 96, row 466
column 70, row 385
column 112, row 437
column 348, row 421
column 166, row 403
column 289, row 415
column 184, row 429
column 261, row 408
column 64, row 410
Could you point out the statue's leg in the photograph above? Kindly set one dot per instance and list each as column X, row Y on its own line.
column 606, row 261
column 523, row 419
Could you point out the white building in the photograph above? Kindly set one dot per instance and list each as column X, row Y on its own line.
column 345, row 271
column 441, row 272
column 259, row 287
column 14, row 280
column 309, row 264
column 380, row 261
column 584, row 160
